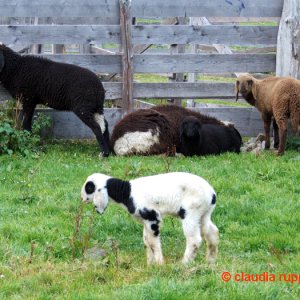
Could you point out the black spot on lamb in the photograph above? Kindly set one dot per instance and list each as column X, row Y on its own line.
column 34, row 80
column 197, row 138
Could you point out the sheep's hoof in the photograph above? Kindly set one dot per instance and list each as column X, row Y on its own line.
column 279, row 153
column 103, row 154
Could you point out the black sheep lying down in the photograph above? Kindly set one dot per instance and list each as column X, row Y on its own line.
column 203, row 139
column 34, row 80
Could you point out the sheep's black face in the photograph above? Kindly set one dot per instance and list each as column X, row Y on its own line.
column 190, row 129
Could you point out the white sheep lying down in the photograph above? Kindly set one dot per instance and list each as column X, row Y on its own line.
column 148, row 199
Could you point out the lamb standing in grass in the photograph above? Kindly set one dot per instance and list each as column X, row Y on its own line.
column 277, row 97
column 35, row 80
column 148, row 199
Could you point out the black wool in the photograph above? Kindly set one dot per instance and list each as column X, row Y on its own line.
column 90, row 187
column 214, row 199
column 119, row 190
column 181, row 213
column 35, row 80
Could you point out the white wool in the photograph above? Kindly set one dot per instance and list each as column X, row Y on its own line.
column 136, row 142
column 228, row 123
column 100, row 120
column 185, row 195
column 168, row 191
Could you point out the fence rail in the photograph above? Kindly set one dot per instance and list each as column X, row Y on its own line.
column 141, row 34
column 142, row 8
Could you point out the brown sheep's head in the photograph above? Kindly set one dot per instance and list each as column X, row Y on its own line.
column 245, row 85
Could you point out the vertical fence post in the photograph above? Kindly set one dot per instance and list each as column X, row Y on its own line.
column 126, row 39
column 177, row 49
column 288, row 42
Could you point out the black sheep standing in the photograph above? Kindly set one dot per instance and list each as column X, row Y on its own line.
column 61, row 86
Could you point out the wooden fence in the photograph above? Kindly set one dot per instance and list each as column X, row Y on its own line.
column 113, row 25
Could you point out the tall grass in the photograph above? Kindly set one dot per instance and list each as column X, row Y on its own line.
column 46, row 233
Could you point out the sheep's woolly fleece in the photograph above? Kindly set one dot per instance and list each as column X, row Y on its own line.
column 149, row 199
column 36, row 80
column 278, row 99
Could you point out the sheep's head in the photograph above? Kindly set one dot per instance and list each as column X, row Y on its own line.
column 244, row 85
column 94, row 190
column 190, row 128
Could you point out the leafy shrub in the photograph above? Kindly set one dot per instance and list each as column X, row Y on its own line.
column 14, row 140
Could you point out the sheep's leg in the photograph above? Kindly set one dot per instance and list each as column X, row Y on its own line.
column 210, row 233
column 93, row 122
column 267, row 123
column 152, row 243
column 295, row 120
column 191, row 229
column 276, row 136
column 282, row 125
column 28, row 111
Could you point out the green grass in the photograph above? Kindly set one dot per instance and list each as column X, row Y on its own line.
column 257, row 214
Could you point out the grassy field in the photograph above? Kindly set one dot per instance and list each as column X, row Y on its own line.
column 49, row 241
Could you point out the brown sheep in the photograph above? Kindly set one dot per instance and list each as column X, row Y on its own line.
column 274, row 97
column 139, row 133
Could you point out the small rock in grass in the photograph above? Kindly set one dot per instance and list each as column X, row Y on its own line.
column 95, row 253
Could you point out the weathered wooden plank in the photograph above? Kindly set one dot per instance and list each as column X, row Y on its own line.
column 142, row 34
column 246, row 120
column 96, row 63
column 59, row 34
column 184, row 90
column 127, row 51
column 207, row 8
column 66, row 125
column 163, row 63
column 243, row 19
column 196, row 90
column 142, row 8
column 214, row 34
column 66, row 8
column 288, row 50
column 204, row 63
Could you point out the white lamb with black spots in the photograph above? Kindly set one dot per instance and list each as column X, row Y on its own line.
column 149, row 199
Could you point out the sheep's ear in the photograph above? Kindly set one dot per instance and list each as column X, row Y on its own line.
column 1, row 60
column 237, row 89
